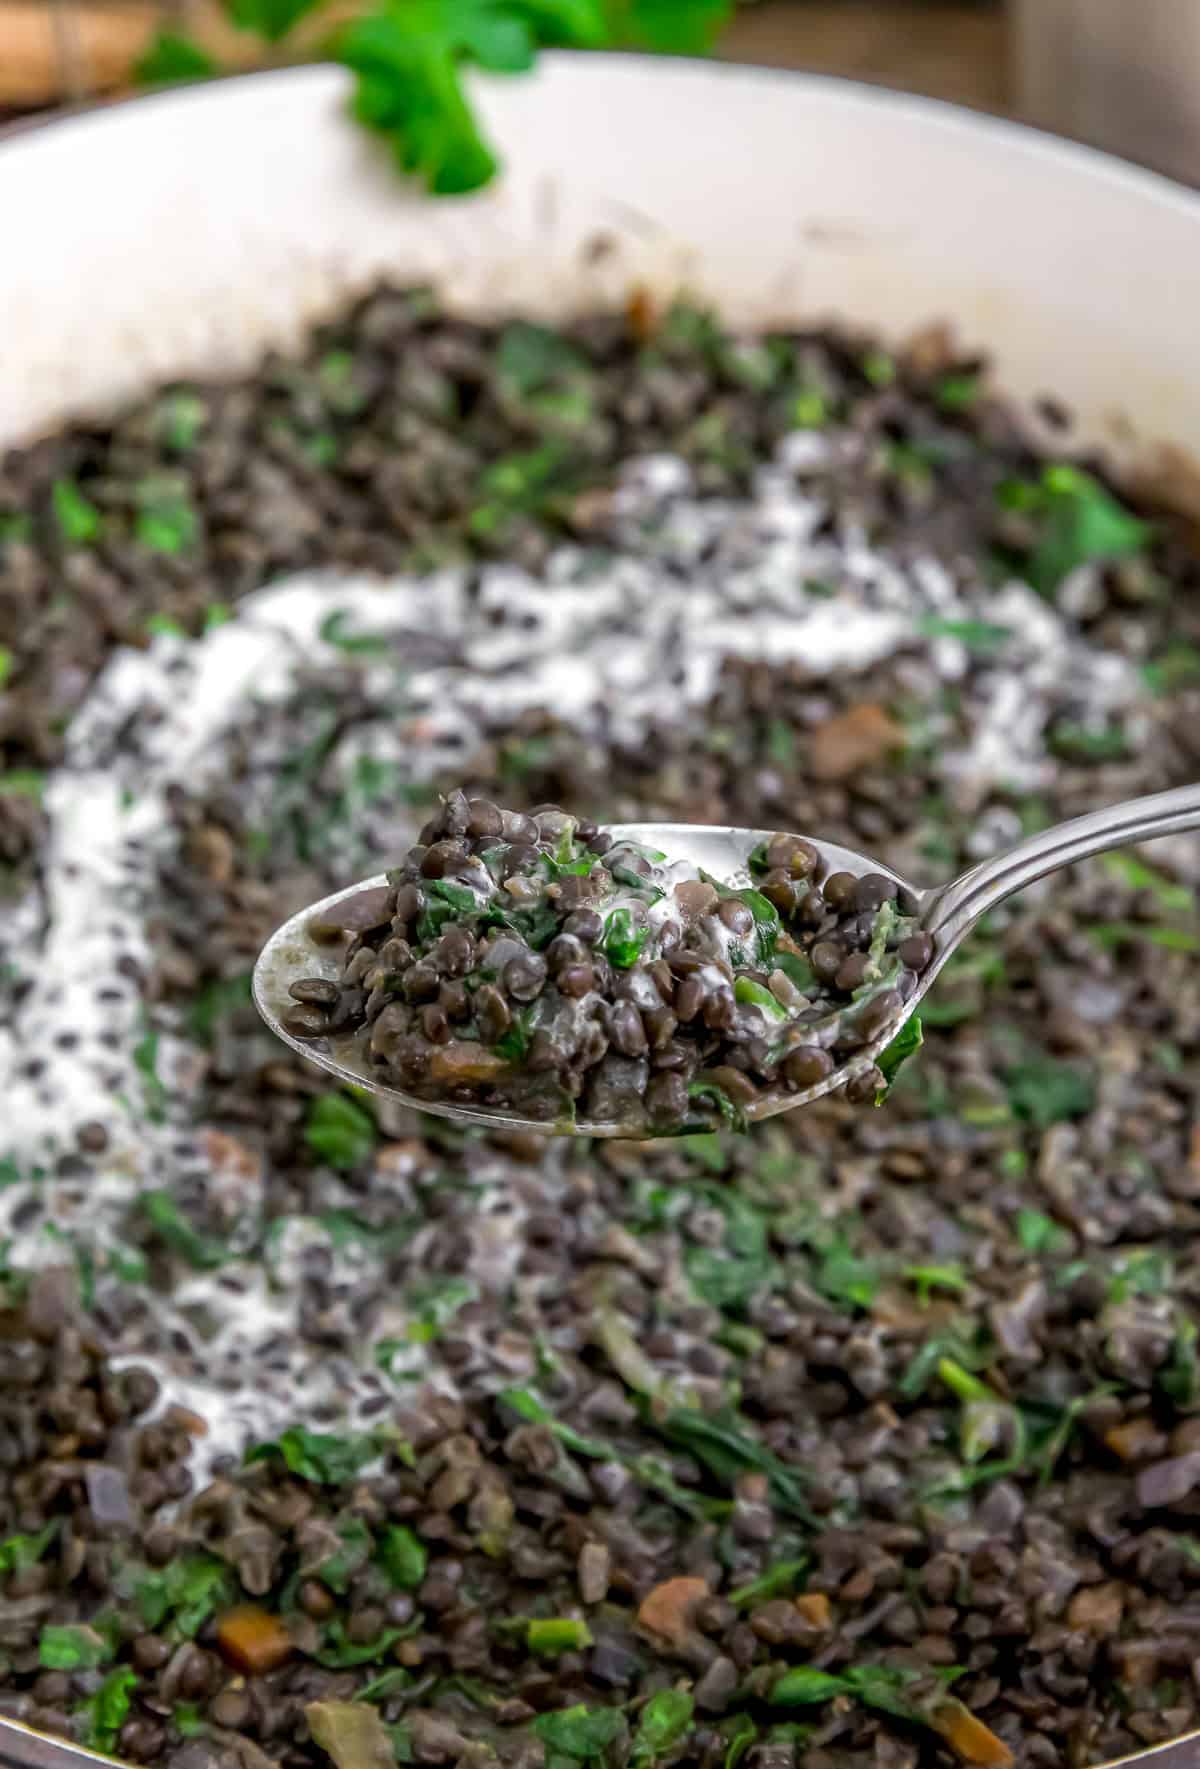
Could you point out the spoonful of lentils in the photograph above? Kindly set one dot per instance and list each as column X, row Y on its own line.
column 532, row 970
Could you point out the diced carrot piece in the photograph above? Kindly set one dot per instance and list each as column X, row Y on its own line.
column 667, row 1609
column 253, row 1639
column 1134, row 1438
column 814, row 1607
column 970, row 1738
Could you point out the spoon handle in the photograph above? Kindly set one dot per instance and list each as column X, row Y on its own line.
column 950, row 912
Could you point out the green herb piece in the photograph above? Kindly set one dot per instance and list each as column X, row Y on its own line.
column 905, row 1044
column 339, row 1568
column 739, row 1734
column 548, row 1636
column 435, row 1302
column 708, row 1093
column 18, row 1553
column 927, row 1278
column 1177, row 667
column 1142, row 1271
column 752, row 994
column 979, row 636
column 341, row 1131
column 1114, row 935
column 1045, row 1092
column 23, row 783
column 333, row 630
column 166, row 521
column 182, row 415
column 798, row 971
column 164, row 626
column 185, row 1593
column 172, row 1227
column 723, row 1443
column 403, row 1556
column 154, row 1093
column 73, row 1647
column 338, row 1653
column 393, row 1682
column 957, row 392
column 1079, row 521
column 729, row 1276
column 513, row 1044
column 6, row 665
column 1132, row 871
column 1039, row 1233
column 927, row 1360
column 530, row 358
column 17, row 527
column 962, row 1383
column 272, row 19
column 808, row 410
column 79, row 521
column 187, row 1719
column 316, row 1455
column 846, row 1278
column 459, row 897
column 216, row 1000
column 665, row 1720
column 879, row 368
column 1076, row 742
column 107, row 1711
column 1180, row 1377
column 623, row 941
column 580, row 1732
column 776, row 1581
column 803, row 1686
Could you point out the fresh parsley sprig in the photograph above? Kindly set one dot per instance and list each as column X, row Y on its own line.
column 409, row 57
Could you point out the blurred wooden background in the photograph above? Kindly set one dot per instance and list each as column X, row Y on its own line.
column 52, row 50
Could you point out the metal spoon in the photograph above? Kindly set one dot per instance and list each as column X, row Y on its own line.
column 946, row 912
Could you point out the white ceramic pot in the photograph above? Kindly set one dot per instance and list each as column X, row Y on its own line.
column 190, row 230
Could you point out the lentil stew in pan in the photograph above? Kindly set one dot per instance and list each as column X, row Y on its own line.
column 864, row 1440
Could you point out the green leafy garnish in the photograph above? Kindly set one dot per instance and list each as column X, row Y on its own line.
column 172, row 1227
column 889, row 1062
column 730, row 1275
column 166, row 521
column 803, row 1685
column 1039, row 1233
column 580, row 1732
column 187, row 1719
column 316, row 1455
column 1078, row 520
column 1179, row 1379
column 78, row 520
column 185, row 1593
column 797, row 970
column 1045, row 1091
column 927, row 1278
column 710, row 1094
column 333, row 630
column 513, row 1044
column 338, row 1652
column 403, row 1556
column 957, row 392
column 845, row 1277
column 340, row 1130
column 107, row 1711
column 739, row 1734
column 723, row 1443
column 339, row 1567
column 547, row 1636
column 623, row 941
column 665, row 1720
column 18, row 1553
column 980, row 636
column 776, row 1581
column 73, row 1647
column 24, row 783
column 752, row 994
column 154, row 1093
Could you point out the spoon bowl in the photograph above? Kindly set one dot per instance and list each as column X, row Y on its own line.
column 946, row 912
